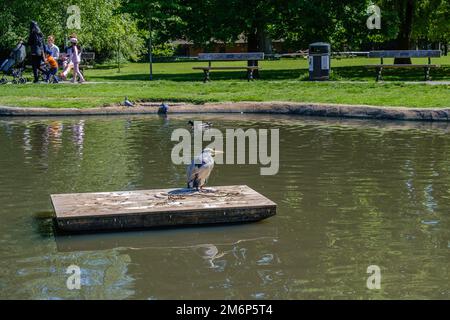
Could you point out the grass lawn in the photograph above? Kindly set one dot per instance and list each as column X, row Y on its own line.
column 282, row 80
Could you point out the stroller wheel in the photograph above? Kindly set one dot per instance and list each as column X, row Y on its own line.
column 3, row 81
column 22, row 80
column 14, row 81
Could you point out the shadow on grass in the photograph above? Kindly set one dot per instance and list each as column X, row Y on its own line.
column 198, row 76
column 105, row 67
column 352, row 73
column 407, row 74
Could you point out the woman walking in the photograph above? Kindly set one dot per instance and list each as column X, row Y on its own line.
column 37, row 49
column 75, row 57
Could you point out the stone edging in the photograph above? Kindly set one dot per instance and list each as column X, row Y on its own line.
column 306, row 109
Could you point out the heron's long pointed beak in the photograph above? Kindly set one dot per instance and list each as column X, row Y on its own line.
column 218, row 152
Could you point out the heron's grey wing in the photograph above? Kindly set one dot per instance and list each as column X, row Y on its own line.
column 193, row 167
column 199, row 172
column 192, row 171
column 204, row 173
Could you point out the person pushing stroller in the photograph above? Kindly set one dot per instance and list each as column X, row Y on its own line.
column 36, row 43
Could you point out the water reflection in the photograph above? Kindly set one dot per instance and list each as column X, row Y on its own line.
column 350, row 193
column 210, row 253
column 103, row 276
column 78, row 136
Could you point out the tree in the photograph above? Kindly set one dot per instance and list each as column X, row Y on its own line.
column 210, row 21
column 297, row 22
column 214, row 20
column 404, row 15
column 342, row 23
column 101, row 25
column 413, row 20
column 159, row 17
column 434, row 24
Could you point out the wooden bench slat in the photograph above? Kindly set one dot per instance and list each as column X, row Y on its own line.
column 405, row 53
column 231, row 56
column 248, row 56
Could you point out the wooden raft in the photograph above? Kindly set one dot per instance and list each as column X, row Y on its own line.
column 81, row 212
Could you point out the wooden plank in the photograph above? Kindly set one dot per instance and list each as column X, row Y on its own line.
column 404, row 53
column 231, row 56
column 159, row 208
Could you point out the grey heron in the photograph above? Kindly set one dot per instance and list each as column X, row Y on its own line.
column 127, row 103
column 200, row 169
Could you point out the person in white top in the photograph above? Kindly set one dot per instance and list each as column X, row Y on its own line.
column 52, row 47
column 75, row 57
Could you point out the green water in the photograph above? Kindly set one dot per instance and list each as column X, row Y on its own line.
column 350, row 194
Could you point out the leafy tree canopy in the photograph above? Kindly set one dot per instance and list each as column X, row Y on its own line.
column 107, row 25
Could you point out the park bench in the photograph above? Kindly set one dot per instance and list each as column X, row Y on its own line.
column 404, row 54
column 87, row 61
column 251, row 57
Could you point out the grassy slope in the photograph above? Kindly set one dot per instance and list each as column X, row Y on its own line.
column 281, row 80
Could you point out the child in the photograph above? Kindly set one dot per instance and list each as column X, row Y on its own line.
column 53, row 67
column 67, row 65
column 75, row 58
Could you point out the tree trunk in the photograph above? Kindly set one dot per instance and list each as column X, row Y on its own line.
column 406, row 14
column 264, row 42
column 253, row 46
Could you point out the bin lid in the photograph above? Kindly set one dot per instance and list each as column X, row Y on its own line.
column 319, row 44
column 319, row 47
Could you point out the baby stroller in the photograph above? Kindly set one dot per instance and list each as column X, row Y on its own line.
column 14, row 65
column 45, row 75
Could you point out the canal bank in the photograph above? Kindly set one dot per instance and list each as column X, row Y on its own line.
column 305, row 109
